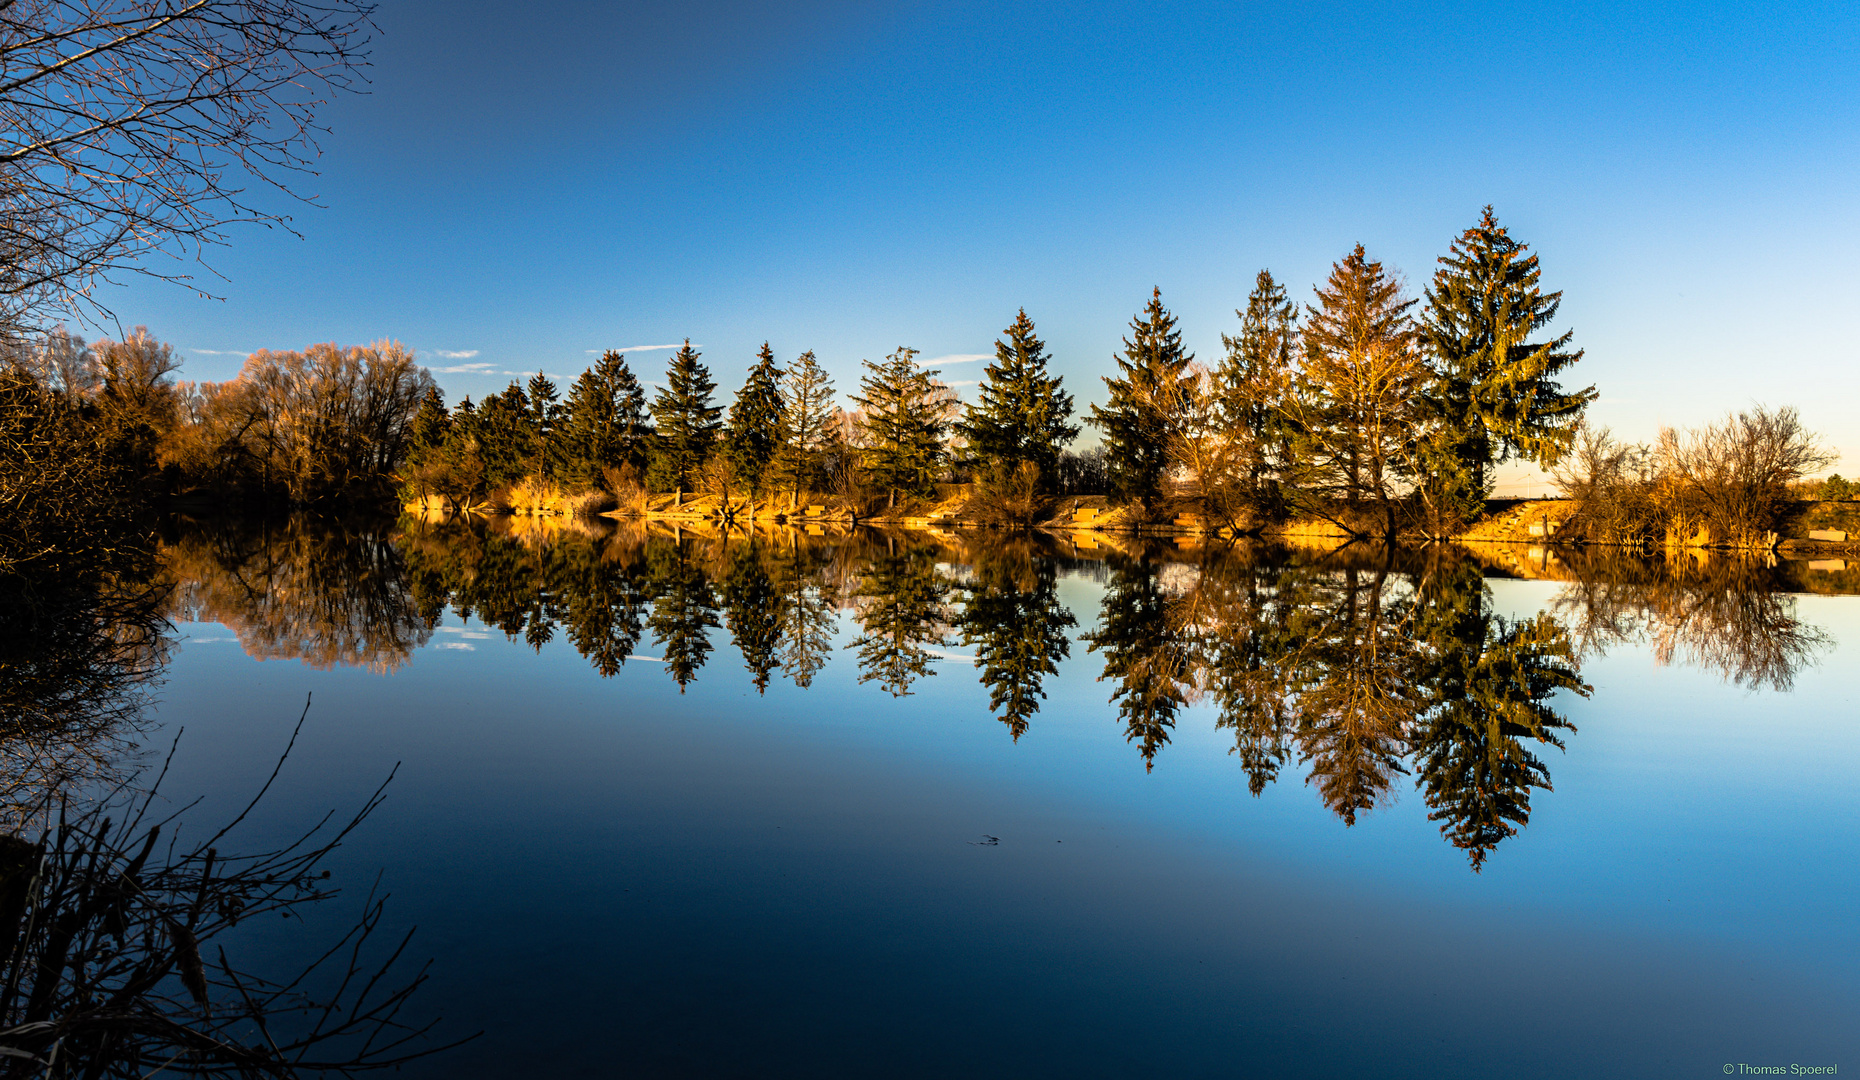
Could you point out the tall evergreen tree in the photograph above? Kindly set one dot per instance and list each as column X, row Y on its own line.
column 1153, row 376
column 432, row 426
column 808, row 426
column 544, row 412
column 755, row 431
column 1255, row 380
column 1495, row 390
column 604, row 422
column 1359, row 405
column 1021, row 414
column 505, row 438
column 904, row 423
column 687, row 422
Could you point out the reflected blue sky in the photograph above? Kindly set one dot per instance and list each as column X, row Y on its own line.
column 727, row 883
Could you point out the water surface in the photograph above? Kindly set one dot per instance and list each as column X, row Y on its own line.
column 916, row 805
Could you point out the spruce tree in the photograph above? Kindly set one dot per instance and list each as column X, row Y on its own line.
column 604, row 422
column 505, row 439
column 807, row 425
column 1255, row 379
column 755, row 431
column 543, row 415
column 1358, row 401
column 1021, row 414
column 1495, row 391
column 431, row 424
column 904, row 423
column 687, row 422
column 1153, row 374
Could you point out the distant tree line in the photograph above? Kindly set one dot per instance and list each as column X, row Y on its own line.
column 1372, row 409
column 1379, row 412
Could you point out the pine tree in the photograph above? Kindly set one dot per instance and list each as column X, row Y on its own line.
column 1153, row 375
column 1255, row 379
column 1021, row 414
column 807, row 425
column 905, row 418
column 604, row 422
column 755, row 431
column 1358, row 405
column 1495, row 391
column 687, row 422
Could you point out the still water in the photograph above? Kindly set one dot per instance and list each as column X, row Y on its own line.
column 675, row 805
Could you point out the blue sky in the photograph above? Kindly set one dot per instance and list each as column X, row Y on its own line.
column 519, row 194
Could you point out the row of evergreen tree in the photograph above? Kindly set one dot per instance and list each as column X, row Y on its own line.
column 1359, row 408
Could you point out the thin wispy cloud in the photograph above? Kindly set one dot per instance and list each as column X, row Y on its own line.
column 466, row 369
column 456, row 354
column 958, row 358
column 961, row 382
column 220, row 352
column 642, row 348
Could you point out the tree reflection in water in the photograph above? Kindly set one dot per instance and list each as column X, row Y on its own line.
column 902, row 604
column 79, row 656
column 325, row 592
column 1360, row 666
column 114, row 938
column 1012, row 617
column 1145, row 656
column 1730, row 615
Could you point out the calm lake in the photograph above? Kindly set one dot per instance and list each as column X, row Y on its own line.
column 906, row 804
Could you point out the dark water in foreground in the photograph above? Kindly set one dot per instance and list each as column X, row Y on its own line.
column 893, row 805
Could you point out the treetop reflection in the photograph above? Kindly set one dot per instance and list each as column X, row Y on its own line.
column 1363, row 668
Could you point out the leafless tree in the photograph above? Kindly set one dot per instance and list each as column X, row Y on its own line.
column 131, row 128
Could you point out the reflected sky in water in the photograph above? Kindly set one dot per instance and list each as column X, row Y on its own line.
column 708, row 808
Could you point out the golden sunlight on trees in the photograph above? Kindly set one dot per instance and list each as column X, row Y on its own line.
column 321, row 423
